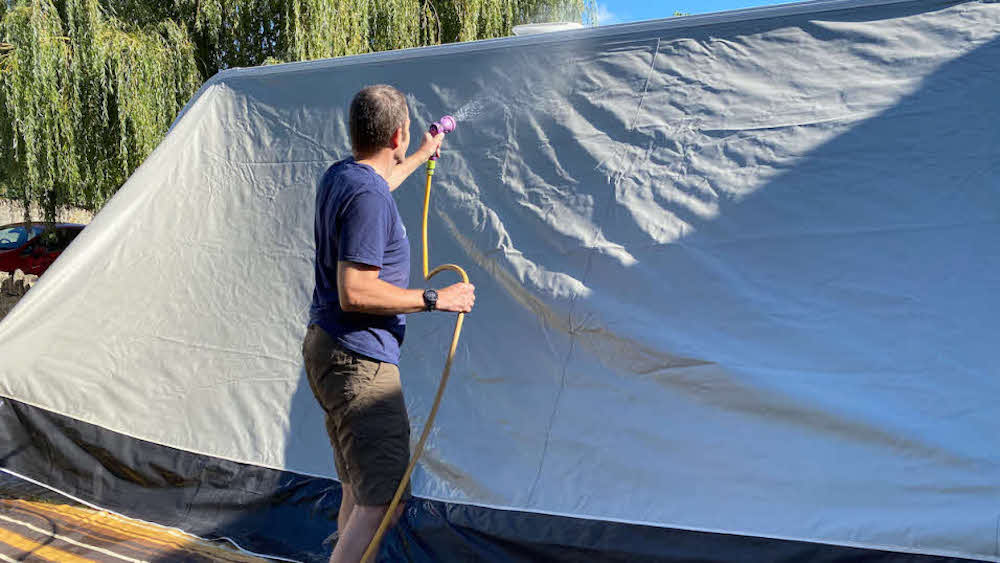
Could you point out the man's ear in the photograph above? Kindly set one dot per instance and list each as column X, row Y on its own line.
column 397, row 139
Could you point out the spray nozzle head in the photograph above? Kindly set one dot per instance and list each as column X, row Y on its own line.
column 446, row 124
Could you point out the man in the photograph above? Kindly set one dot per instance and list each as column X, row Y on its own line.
column 357, row 321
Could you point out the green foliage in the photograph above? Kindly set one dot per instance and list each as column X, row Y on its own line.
column 241, row 33
column 89, row 87
column 83, row 99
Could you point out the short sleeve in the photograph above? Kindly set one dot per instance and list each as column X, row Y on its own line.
column 363, row 227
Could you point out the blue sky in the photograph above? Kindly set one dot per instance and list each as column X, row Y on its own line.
column 621, row 11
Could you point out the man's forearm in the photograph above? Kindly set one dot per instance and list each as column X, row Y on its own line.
column 403, row 170
column 377, row 297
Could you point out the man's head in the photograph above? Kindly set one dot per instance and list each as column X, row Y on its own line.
column 379, row 120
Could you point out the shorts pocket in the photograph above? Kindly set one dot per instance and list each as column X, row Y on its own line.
column 340, row 356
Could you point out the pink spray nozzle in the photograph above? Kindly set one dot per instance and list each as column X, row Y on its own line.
column 446, row 124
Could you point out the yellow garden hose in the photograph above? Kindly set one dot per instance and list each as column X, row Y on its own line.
column 372, row 547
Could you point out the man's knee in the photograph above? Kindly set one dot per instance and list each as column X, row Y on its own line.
column 377, row 513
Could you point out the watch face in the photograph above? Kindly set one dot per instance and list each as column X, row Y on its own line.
column 430, row 297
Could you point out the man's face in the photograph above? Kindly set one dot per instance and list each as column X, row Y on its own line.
column 400, row 153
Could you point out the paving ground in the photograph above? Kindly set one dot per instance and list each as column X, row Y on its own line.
column 39, row 525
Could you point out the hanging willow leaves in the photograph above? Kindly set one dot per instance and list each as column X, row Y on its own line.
column 88, row 88
column 83, row 99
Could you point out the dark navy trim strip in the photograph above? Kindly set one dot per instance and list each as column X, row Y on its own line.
column 291, row 515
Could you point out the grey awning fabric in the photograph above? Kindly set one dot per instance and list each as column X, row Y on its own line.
column 736, row 273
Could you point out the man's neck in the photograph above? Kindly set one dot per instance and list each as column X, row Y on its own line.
column 382, row 162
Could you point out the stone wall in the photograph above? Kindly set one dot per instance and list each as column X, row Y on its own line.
column 13, row 212
column 12, row 288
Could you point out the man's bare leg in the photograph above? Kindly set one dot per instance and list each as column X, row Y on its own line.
column 347, row 504
column 360, row 529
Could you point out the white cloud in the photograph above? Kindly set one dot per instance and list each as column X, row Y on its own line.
column 606, row 16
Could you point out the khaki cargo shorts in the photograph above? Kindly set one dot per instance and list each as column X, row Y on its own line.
column 365, row 417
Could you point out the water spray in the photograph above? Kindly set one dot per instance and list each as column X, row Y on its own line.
column 445, row 125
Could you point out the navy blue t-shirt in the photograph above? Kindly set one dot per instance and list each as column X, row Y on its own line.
column 357, row 221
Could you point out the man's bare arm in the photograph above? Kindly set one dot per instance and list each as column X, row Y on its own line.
column 430, row 147
column 361, row 291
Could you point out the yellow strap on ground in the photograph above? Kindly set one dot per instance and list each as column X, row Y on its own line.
column 150, row 533
column 39, row 550
column 108, row 521
column 70, row 540
column 87, row 531
column 100, row 521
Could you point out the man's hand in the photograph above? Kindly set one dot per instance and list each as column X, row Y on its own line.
column 458, row 298
column 431, row 145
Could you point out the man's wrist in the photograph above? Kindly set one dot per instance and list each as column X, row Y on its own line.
column 425, row 153
column 430, row 299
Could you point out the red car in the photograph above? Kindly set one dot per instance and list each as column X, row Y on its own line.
column 34, row 252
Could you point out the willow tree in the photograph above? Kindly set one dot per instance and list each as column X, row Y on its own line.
column 229, row 33
column 89, row 87
column 83, row 99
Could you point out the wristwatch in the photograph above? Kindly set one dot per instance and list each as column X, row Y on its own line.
column 430, row 299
